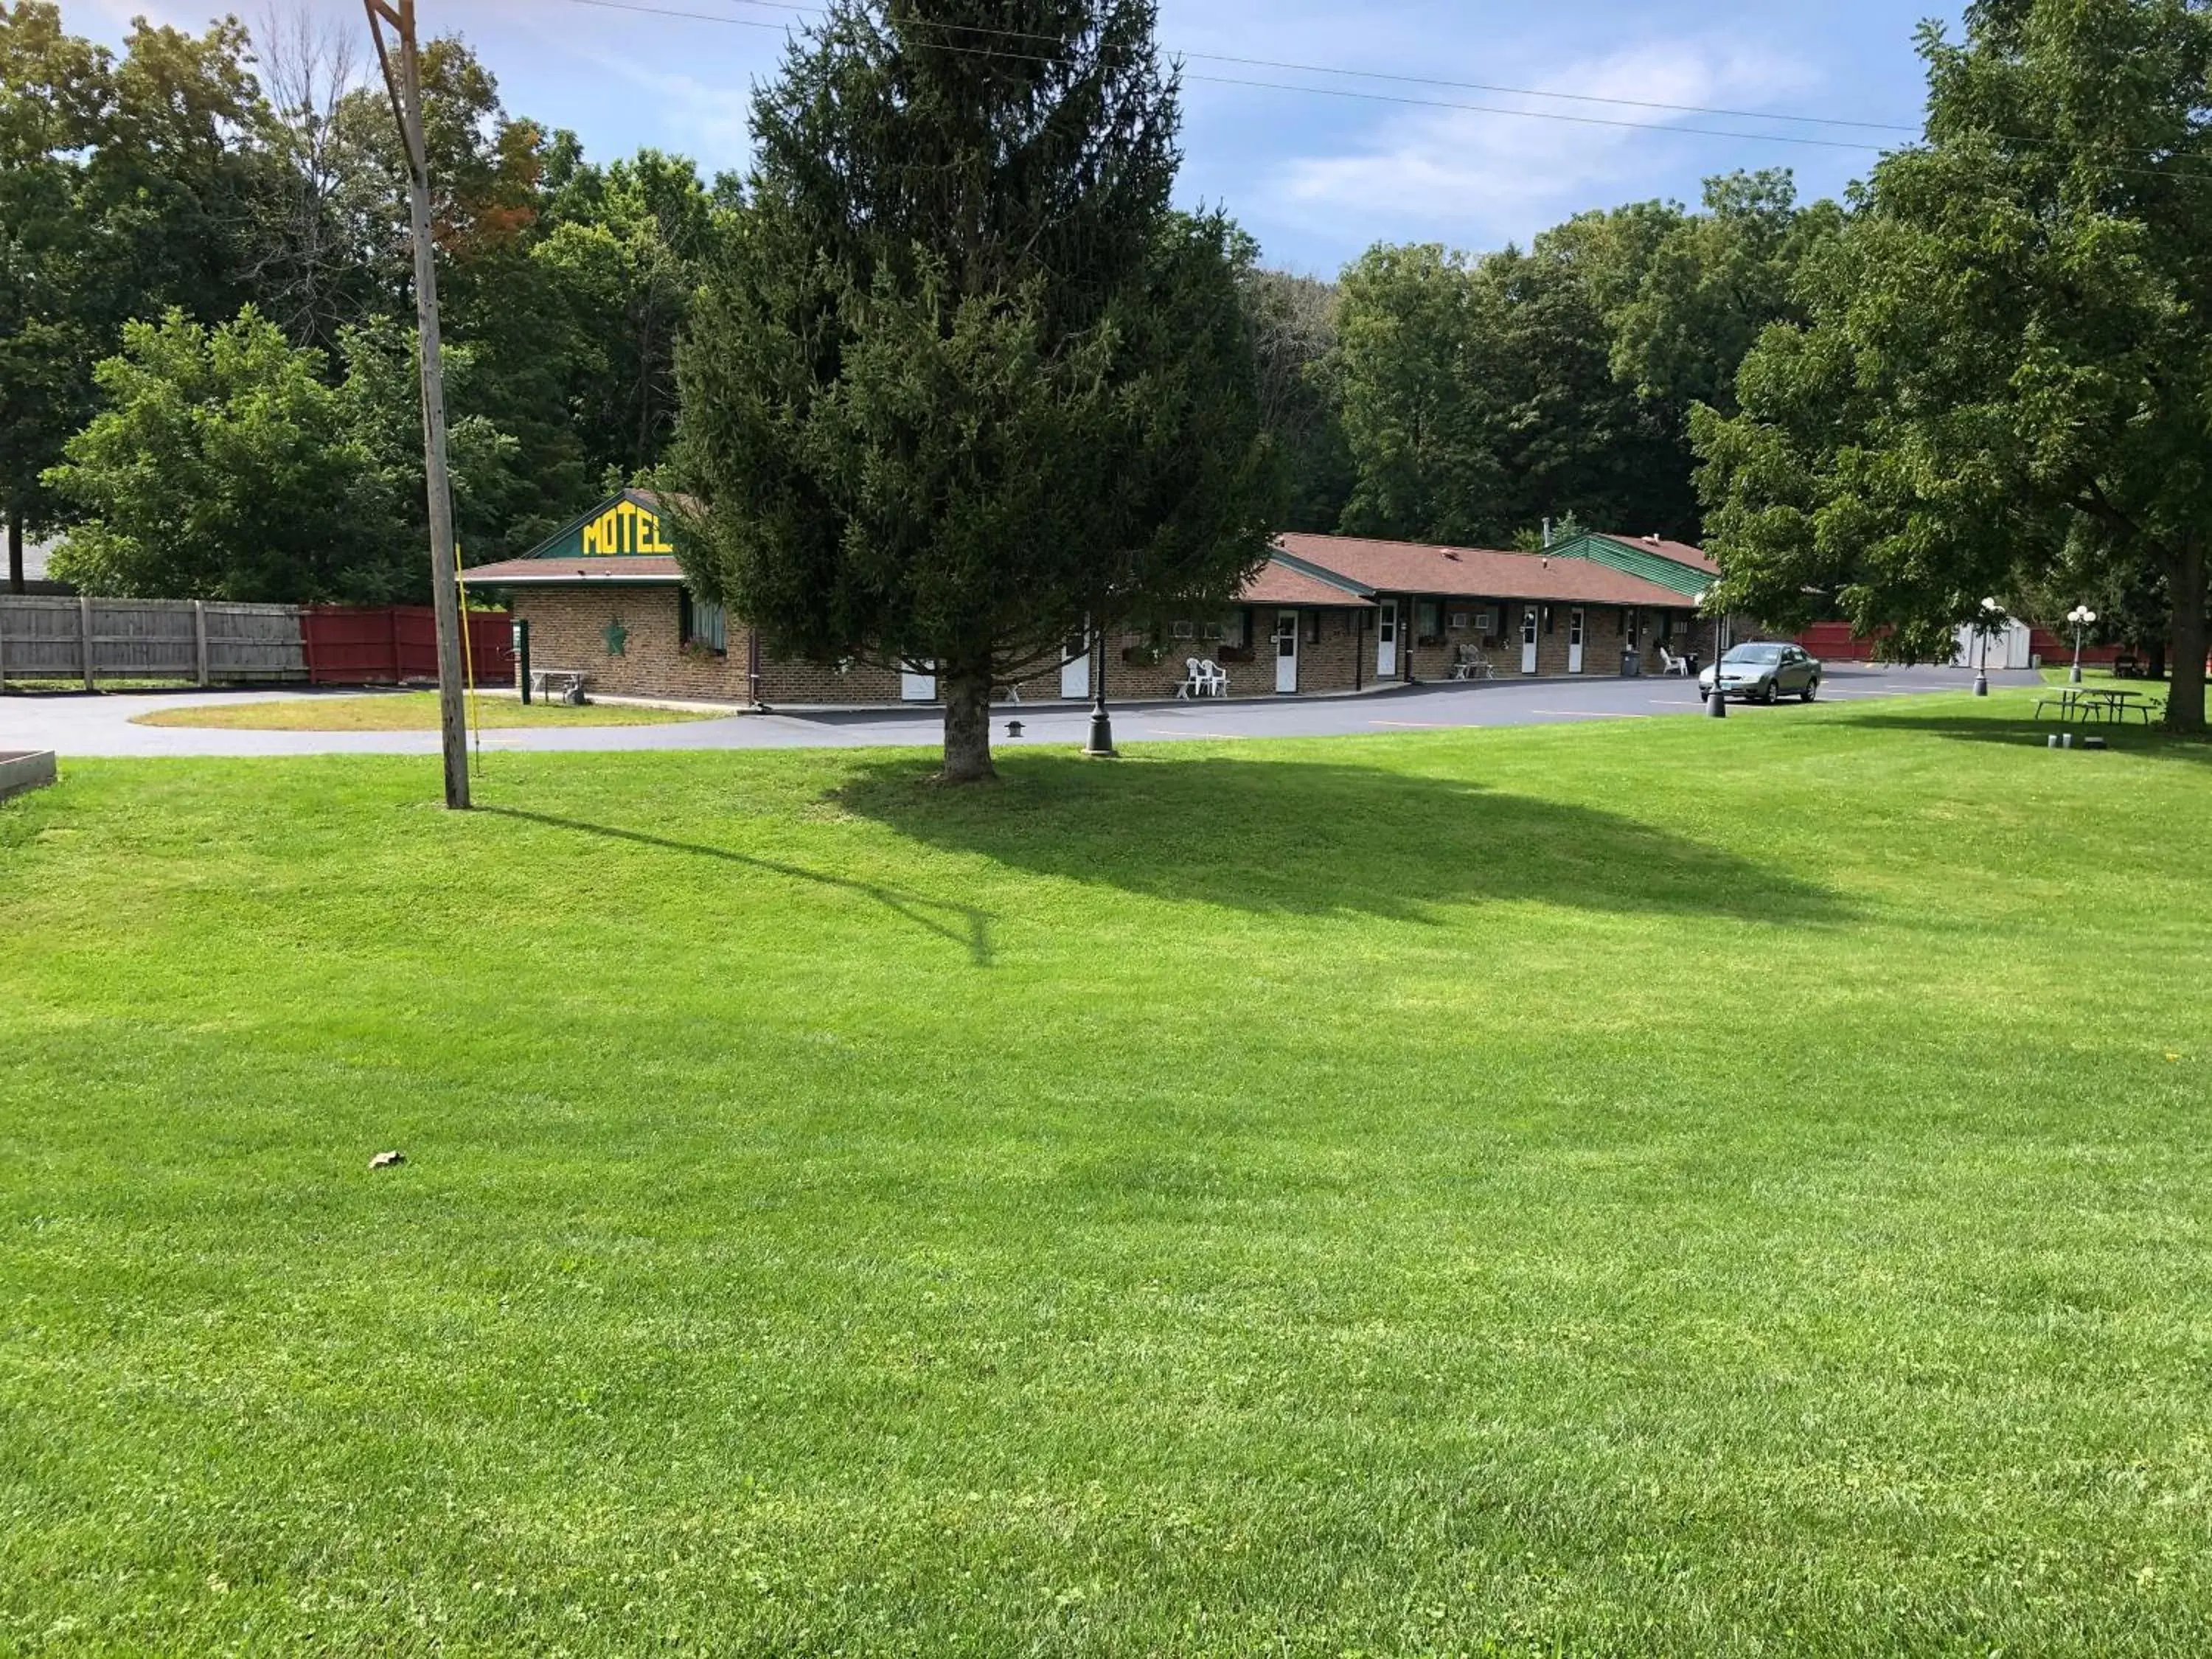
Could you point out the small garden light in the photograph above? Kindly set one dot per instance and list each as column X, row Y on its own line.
column 1992, row 615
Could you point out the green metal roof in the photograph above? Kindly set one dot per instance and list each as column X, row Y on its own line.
column 1634, row 558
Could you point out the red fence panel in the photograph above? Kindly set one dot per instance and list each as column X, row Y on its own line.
column 366, row 645
column 1833, row 641
column 2056, row 652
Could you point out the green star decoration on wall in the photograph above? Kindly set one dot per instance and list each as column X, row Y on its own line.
column 615, row 635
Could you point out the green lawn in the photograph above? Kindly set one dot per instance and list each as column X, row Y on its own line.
column 404, row 711
column 1665, row 1187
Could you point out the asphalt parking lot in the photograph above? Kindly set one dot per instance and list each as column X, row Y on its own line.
column 100, row 723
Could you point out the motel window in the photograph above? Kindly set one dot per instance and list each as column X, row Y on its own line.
column 1313, row 627
column 1428, row 619
column 1236, row 629
column 701, row 623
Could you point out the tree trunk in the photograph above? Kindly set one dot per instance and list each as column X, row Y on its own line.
column 967, row 727
column 2185, row 695
column 2154, row 659
column 15, row 584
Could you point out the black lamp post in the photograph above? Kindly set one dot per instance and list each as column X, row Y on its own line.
column 1716, row 704
column 1101, row 742
column 1991, row 610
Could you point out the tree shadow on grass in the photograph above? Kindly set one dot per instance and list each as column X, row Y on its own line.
column 1317, row 838
column 964, row 925
column 2027, row 732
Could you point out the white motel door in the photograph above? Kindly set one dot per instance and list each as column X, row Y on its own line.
column 918, row 682
column 1075, row 667
column 1575, row 640
column 1287, row 651
column 1386, row 641
column 1529, row 640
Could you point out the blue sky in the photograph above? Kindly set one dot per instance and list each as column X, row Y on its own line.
column 1316, row 177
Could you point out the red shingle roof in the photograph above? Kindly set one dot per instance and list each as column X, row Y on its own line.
column 1474, row 573
column 1277, row 584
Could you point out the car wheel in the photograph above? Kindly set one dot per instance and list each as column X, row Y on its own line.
column 1769, row 693
column 1811, row 690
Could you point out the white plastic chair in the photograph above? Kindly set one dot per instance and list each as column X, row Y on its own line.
column 1671, row 664
column 1217, row 678
column 1193, row 681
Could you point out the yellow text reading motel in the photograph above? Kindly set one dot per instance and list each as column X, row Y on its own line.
column 625, row 527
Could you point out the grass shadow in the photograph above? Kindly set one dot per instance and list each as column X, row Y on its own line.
column 2027, row 732
column 1313, row 837
column 964, row 925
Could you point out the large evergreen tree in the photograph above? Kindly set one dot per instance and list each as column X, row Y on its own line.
column 965, row 379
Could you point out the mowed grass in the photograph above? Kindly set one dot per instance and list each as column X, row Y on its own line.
column 403, row 711
column 1670, row 1187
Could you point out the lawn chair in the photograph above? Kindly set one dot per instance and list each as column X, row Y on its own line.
column 1469, row 664
column 1194, row 680
column 1671, row 664
column 1217, row 678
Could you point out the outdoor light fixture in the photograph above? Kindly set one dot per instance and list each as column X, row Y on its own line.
column 1100, row 741
column 1716, row 705
column 1991, row 611
column 2080, row 616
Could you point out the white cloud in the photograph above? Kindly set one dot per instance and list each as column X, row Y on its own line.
column 1470, row 177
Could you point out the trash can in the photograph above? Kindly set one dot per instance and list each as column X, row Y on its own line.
column 1632, row 664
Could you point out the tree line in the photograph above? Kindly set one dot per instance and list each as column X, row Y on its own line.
column 206, row 320
column 1980, row 374
column 206, row 283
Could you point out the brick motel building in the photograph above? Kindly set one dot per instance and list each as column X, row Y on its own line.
column 605, row 598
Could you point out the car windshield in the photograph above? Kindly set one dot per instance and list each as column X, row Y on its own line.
column 1754, row 653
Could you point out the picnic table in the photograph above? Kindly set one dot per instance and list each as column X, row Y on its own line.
column 2096, row 703
column 558, row 684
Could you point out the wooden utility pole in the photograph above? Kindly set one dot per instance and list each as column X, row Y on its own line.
column 403, row 81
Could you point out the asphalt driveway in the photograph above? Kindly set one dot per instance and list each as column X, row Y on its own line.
column 100, row 723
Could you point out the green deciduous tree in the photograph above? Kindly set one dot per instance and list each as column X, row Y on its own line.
column 2008, row 365
column 628, row 246
column 1479, row 395
column 1294, row 334
column 55, row 92
column 965, row 379
column 223, row 467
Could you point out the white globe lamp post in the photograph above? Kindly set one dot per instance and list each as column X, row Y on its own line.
column 2080, row 616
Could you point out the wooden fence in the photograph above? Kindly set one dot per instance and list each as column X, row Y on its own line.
column 89, row 640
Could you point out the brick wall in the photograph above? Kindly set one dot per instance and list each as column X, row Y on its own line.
column 1605, row 630
column 1325, row 664
column 567, row 630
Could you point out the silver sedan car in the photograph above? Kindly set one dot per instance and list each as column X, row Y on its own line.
column 1765, row 672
